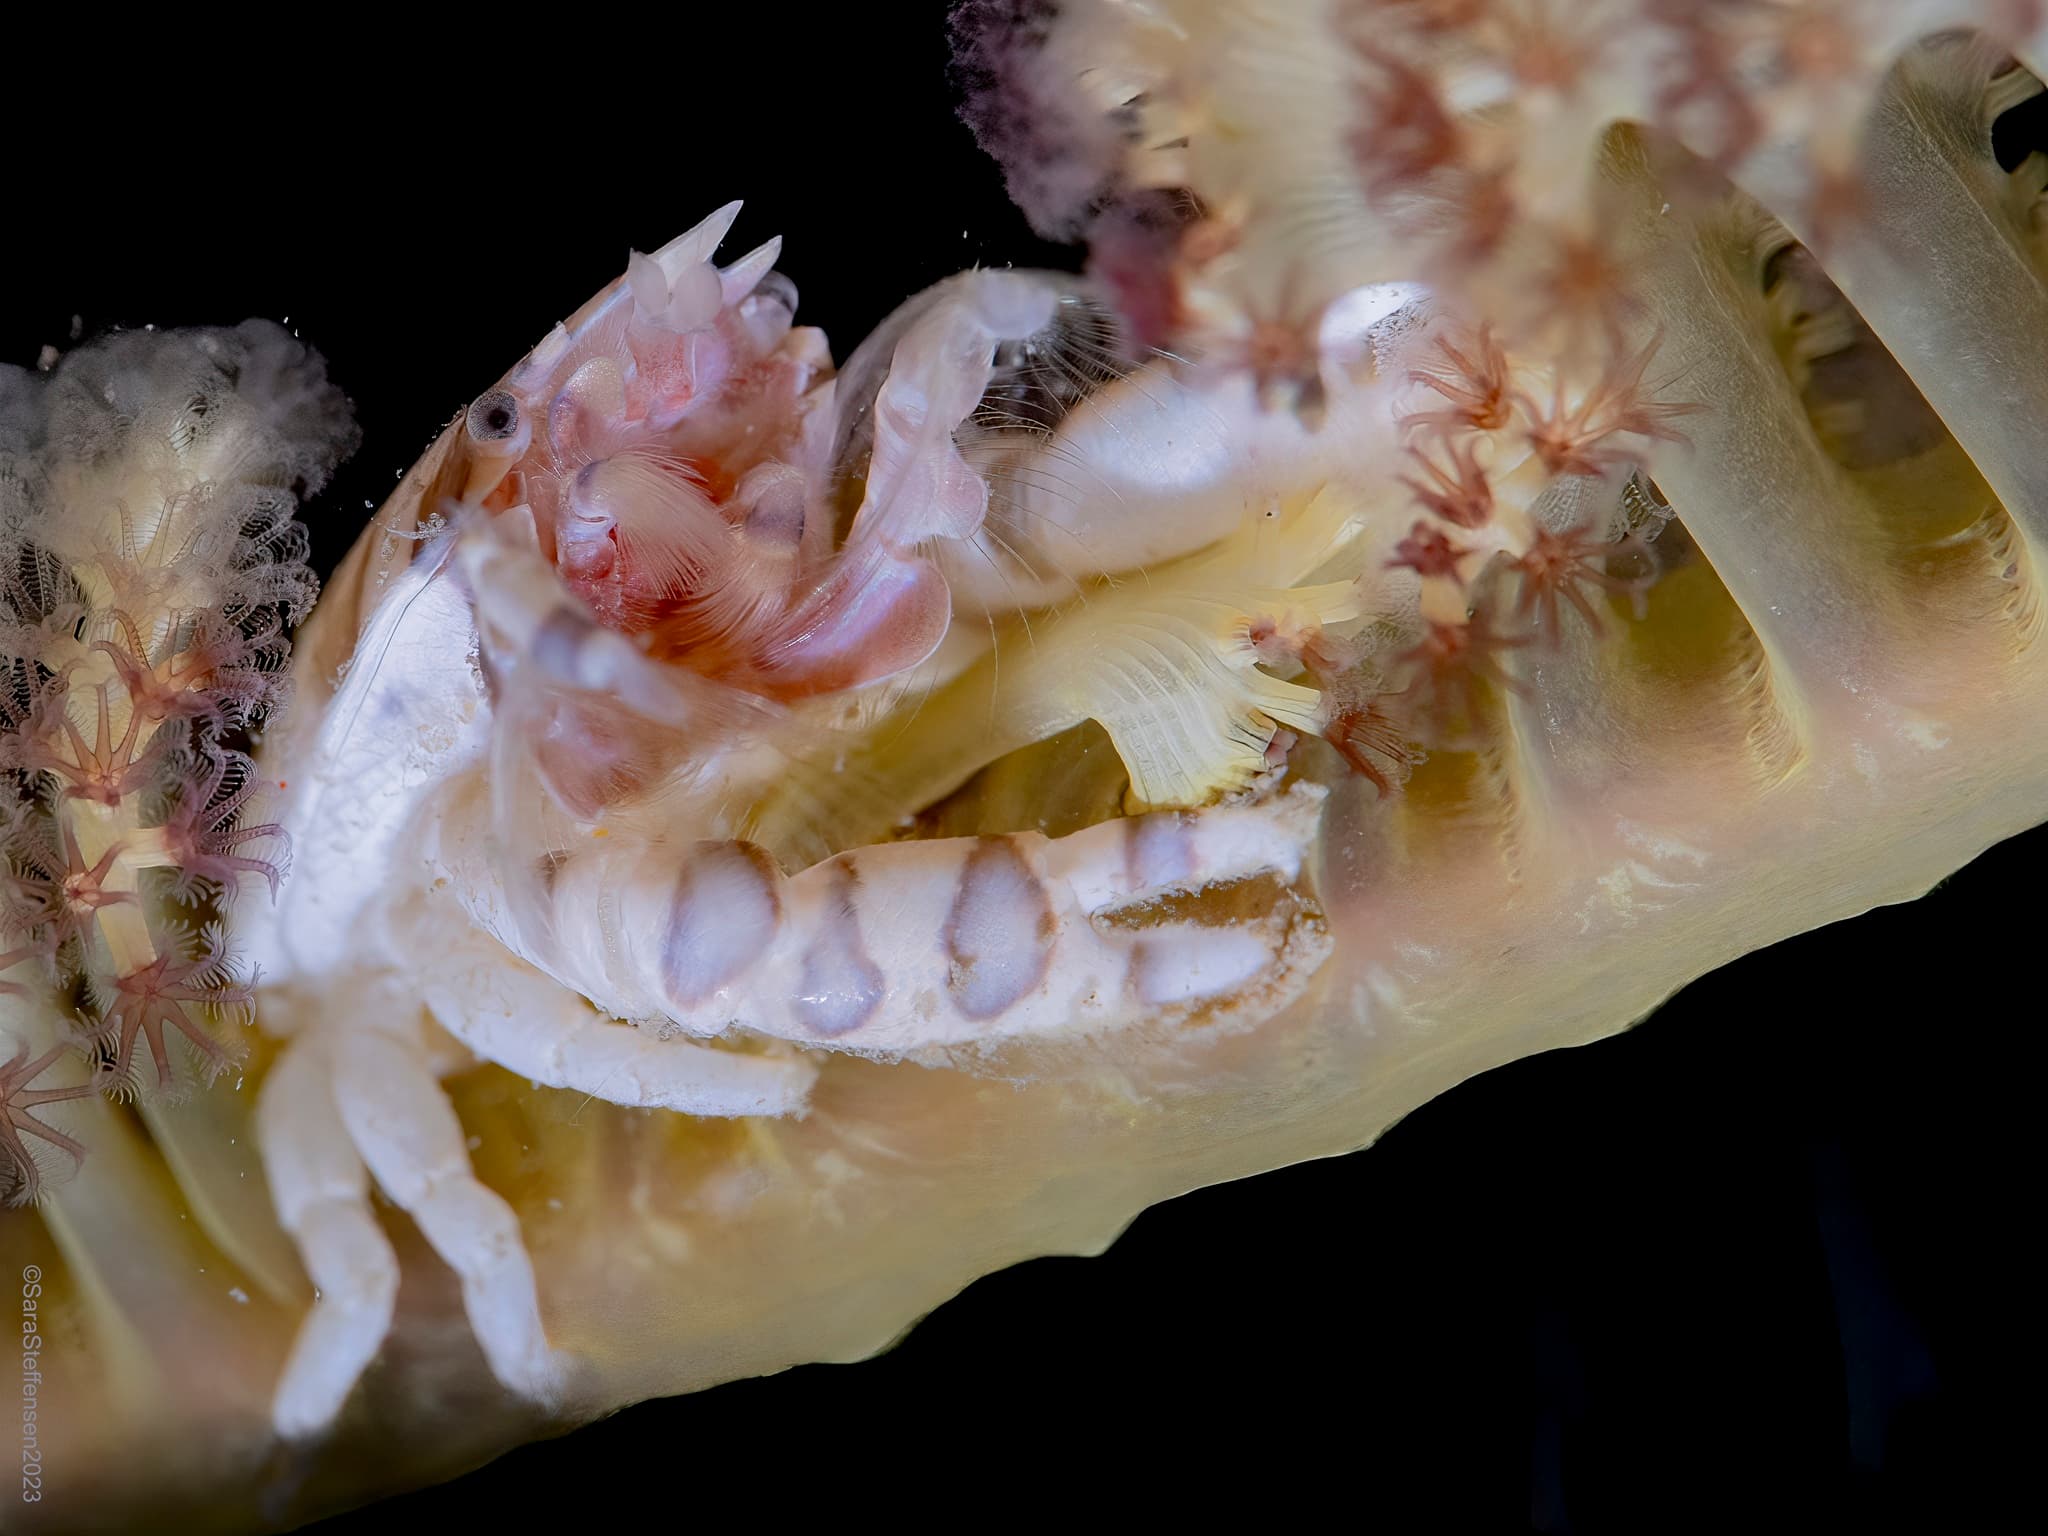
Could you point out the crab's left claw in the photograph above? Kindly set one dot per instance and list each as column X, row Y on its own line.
column 883, row 608
column 880, row 613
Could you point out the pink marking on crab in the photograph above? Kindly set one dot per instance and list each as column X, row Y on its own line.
column 869, row 624
column 680, row 482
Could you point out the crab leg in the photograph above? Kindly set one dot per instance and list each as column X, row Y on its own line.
column 404, row 1127
column 509, row 1013
column 322, row 1194
column 329, row 1110
column 947, row 942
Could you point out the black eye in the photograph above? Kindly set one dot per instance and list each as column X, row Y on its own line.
column 494, row 417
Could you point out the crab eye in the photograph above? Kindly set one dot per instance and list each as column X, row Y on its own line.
column 494, row 419
column 498, row 433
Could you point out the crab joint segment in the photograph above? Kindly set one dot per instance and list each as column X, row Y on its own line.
column 326, row 1115
column 507, row 1012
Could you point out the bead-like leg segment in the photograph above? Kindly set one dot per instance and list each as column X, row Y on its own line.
column 956, row 941
column 402, row 1124
column 321, row 1191
column 1140, row 858
column 508, row 1012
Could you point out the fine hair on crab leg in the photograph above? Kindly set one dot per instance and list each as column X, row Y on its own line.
column 1099, row 464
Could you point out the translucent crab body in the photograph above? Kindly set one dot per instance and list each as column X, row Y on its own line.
column 646, row 631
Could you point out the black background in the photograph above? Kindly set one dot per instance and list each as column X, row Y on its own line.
column 1758, row 1263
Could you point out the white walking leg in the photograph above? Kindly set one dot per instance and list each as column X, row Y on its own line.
column 407, row 1133
column 510, row 1013
column 321, row 1192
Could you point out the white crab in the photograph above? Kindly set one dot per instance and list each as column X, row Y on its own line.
column 517, row 827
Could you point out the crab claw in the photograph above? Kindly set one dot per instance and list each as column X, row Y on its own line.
column 875, row 618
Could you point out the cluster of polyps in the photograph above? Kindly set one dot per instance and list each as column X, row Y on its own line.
column 1552, row 171
column 652, row 703
column 149, row 563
